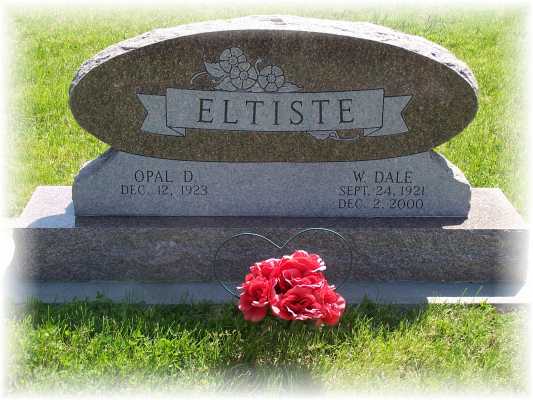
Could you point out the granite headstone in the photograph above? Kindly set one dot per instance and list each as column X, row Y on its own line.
column 232, row 119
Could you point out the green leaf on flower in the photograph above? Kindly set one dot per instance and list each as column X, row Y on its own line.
column 226, row 84
column 214, row 70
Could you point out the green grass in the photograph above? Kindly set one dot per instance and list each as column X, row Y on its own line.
column 100, row 346
column 49, row 46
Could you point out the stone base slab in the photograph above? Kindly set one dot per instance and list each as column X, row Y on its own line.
column 52, row 245
column 401, row 293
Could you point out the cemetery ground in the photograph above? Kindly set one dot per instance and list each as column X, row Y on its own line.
column 98, row 345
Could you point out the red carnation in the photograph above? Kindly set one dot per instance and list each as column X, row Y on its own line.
column 300, row 268
column 254, row 299
column 333, row 305
column 262, row 268
column 299, row 303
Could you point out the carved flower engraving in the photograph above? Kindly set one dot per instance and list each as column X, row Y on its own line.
column 234, row 72
column 230, row 58
column 243, row 76
column 271, row 78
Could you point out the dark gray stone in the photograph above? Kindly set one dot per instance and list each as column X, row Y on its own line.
column 489, row 245
column 369, row 92
column 118, row 183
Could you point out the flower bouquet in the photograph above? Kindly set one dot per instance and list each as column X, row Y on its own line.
column 292, row 288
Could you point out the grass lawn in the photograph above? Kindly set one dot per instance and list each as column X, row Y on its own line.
column 101, row 345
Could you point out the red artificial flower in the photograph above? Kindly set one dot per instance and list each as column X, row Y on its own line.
column 333, row 305
column 299, row 303
column 300, row 268
column 254, row 299
column 293, row 287
column 262, row 268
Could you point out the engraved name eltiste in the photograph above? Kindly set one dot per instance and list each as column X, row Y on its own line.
column 274, row 112
column 382, row 189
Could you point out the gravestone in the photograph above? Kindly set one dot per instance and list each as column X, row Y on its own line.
column 253, row 128
column 272, row 124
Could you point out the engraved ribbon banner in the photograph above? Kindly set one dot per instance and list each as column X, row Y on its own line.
column 319, row 113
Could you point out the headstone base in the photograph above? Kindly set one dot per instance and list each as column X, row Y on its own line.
column 53, row 247
column 502, row 295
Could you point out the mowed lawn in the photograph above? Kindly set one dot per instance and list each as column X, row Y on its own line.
column 99, row 345
column 102, row 346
